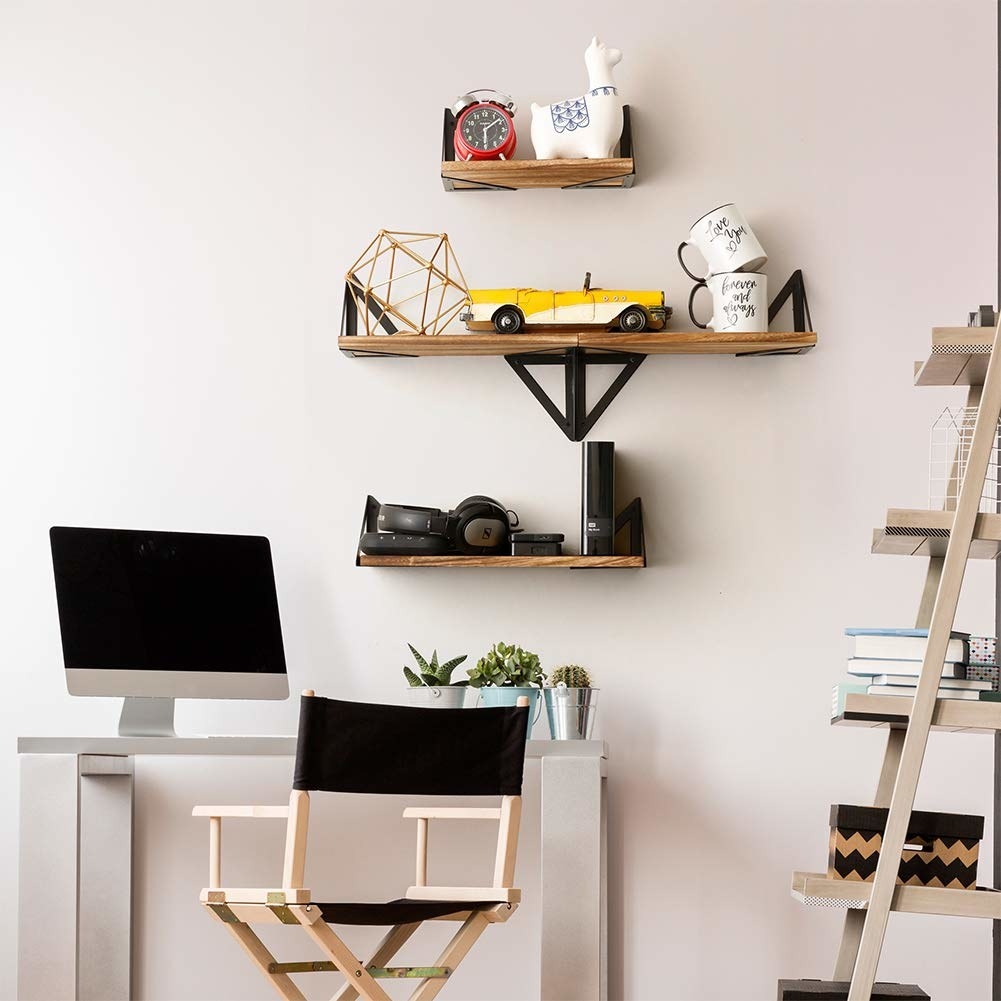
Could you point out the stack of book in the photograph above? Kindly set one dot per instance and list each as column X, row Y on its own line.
column 888, row 662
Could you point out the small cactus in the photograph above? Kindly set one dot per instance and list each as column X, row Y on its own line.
column 572, row 675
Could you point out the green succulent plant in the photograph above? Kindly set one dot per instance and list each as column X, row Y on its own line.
column 507, row 665
column 433, row 674
column 572, row 675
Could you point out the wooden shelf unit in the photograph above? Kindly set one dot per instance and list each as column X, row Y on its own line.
column 681, row 342
column 815, row 888
column 618, row 172
column 510, row 175
column 508, row 562
column 958, row 357
column 956, row 715
column 915, row 532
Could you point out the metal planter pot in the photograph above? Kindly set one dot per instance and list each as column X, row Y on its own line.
column 571, row 712
column 446, row 697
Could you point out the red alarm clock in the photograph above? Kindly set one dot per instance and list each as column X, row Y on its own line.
column 484, row 126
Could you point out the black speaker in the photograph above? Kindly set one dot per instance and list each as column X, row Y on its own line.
column 597, row 532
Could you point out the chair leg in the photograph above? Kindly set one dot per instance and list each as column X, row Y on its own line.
column 462, row 941
column 385, row 951
column 260, row 956
column 338, row 953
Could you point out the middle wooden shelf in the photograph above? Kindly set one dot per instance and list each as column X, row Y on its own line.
column 680, row 342
column 957, row 715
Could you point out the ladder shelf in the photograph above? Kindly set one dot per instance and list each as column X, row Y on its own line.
column 949, row 539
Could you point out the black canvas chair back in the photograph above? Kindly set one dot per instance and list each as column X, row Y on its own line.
column 359, row 747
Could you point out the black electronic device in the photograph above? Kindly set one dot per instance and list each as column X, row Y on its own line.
column 402, row 544
column 597, row 498
column 539, row 537
column 523, row 547
column 477, row 525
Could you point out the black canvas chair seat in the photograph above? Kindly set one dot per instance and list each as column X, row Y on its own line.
column 397, row 912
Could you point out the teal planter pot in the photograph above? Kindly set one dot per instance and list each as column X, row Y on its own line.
column 508, row 696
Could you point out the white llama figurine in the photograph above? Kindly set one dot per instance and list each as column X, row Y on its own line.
column 584, row 127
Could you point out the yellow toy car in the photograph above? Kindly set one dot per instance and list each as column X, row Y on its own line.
column 508, row 310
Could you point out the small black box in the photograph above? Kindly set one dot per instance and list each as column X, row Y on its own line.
column 523, row 547
column 837, row 990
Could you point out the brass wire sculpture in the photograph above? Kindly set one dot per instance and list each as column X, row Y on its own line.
column 413, row 279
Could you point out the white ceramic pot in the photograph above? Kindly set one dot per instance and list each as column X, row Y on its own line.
column 447, row 697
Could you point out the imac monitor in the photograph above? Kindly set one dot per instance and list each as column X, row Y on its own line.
column 155, row 616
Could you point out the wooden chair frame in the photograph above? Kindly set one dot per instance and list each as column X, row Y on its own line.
column 237, row 908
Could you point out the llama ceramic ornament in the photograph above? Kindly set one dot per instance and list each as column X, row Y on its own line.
column 585, row 127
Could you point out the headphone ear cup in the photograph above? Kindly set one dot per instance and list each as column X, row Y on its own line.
column 487, row 520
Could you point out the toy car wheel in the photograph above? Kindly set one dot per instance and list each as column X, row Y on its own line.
column 632, row 320
column 507, row 320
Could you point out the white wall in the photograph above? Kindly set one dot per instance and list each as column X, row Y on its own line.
column 182, row 186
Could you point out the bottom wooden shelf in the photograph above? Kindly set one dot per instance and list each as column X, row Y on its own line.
column 506, row 562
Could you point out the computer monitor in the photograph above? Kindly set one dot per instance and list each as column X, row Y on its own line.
column 155, row 616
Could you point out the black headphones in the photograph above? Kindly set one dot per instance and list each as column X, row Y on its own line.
column 476, row 525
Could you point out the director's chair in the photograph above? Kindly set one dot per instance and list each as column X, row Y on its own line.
column 356, row 747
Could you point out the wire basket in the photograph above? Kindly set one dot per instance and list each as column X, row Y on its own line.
column 949, row 454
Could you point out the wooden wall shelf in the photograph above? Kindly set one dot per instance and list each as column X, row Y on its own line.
column 508, row 562
column 958, row 357
column 910, row 532
column 815, row 888
column 957, row 715
column 510, row 175
column 679, row 342
column 628, row 529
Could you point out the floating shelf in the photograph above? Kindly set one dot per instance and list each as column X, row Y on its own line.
column 628, row 527
column 816, row 889
column 680, row 342
column 894, row 711
column 926, row 533
column 509, row 175
column 575, row 348
column 506, row 562
column 959, row 357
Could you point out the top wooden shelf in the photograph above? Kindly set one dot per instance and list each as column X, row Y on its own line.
column 509, row 175
column 503, row 175
column 959, row 357
column 681, row 342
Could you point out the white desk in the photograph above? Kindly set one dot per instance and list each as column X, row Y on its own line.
column 76, row 822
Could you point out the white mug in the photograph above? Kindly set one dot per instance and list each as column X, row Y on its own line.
column 726, row 241
column 740, row 302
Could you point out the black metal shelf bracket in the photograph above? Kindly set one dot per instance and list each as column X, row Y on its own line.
column 575, row 420
column 796, row 288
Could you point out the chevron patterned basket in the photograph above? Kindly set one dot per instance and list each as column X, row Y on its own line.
column 941, row 848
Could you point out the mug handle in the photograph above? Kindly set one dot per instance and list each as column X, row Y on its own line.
column 691, row 300
column 681, row 261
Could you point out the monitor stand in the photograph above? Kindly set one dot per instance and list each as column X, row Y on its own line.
column 146, row 717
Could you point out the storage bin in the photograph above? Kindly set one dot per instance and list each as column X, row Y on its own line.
column 835, row 990
column 944, row 853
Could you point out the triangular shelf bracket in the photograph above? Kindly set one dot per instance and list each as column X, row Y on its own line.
column 575, row 420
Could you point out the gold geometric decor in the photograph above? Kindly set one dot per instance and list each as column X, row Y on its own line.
column 410, row 279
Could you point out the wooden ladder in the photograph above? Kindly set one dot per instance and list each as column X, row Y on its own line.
column 864, row 929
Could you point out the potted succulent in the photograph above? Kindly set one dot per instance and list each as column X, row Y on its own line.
column 432, row 686
column 507, row 672
column 570, row 703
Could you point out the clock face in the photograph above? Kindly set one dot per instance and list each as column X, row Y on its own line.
column 485, row 128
